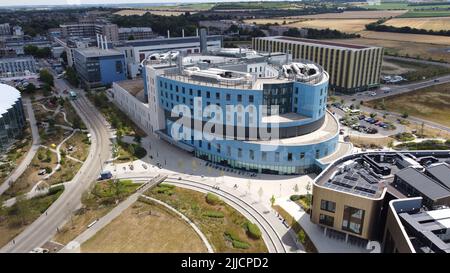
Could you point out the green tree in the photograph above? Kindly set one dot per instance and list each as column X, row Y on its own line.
column 46, row 77
column 301, row 236
column 30, row 88
column 138, row 139
column 272, row 200
column 71, row 76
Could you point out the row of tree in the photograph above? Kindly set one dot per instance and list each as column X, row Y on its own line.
column 37, row 52
column 327, row 33
column 379, row 26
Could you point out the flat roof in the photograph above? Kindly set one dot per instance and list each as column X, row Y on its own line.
column 423, row 183
column 440, row 172
column 133, row 87
column 8, row 96
column 328, row 130
column 98, row 52
column 317, row 42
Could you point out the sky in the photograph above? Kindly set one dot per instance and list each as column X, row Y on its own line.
column 72, row 2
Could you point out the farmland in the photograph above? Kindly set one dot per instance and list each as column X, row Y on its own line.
column 360, row 14
column 433, row 23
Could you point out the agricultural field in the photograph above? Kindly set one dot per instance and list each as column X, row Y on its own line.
column 431, row 23
column 431, row 103
column 360, row 14
column 145, row 228
column 140, row 12
column 344, row 25
column 413, row 10
column 405, row 37
column 437, row 52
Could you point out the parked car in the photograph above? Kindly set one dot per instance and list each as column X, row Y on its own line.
column 361, row 117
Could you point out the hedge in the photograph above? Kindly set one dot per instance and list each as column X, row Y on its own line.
column 241, row 245
column 212, row 199
column 214, row 214
column 253, row 230
column 295, row 197
column 55, row 189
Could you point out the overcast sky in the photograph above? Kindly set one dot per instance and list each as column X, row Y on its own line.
column 71, row 2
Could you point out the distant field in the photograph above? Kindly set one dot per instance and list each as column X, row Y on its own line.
column 405, row 37
column 360, row 14
column 424, row 50
column 141, row 12
column 345, row 25
column 432, row 103
column 431, row 23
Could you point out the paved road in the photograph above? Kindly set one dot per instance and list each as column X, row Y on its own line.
column 42, row 230
column 30, row 154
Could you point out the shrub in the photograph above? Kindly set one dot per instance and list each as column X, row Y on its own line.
column 48, row 169
column 240, row 245
column 295, row 197
column 253, row 230
column 55, row 189
column 214, row 214
column 301, row 236
column 212, row 199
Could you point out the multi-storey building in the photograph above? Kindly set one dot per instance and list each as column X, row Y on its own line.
column 240, row 94
column 5, row 29
column 17, row 66
column 89, row 29
column 135, row 33
column 12, row 117
column 351, row 196
column 138, row 50
column 352, row 68
column 98, row 67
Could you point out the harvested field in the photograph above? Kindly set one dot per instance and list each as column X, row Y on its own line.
column 405, row 37
column 429, row 23
column 360, row 14
column 436, row 52
column 344, row 25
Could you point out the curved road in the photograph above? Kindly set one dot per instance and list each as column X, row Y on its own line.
column 42, row 230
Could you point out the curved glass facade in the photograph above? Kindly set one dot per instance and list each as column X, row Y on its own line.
column 12, row 119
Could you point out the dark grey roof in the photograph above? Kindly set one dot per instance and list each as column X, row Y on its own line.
column 441, row 173
column 422, row 183
column 167, row 41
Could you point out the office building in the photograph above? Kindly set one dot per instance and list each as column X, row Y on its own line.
column 351, row 196
column 5, row 29
column 136, row 33
column 98, row 67
column 89, row 29
column 352, row 68
column 138, row 50
column 12, row 117
column 411, row 229
column 17, row 66
column 245, row 80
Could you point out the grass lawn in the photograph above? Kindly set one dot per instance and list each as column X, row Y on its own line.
column 431, row 103
column 309, row 246
column 96, row 203
column 222, row 225
column 80, row 143
column 418, row 71
column 145, row 228
column 65, row 173
column 30, row 176
column 15, row 219
column 128, row 152
column 424, row 145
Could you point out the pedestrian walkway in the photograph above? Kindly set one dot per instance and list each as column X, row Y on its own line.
column 322, row 243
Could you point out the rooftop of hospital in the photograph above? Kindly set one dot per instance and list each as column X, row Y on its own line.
column 237, row 69
column 369, row 175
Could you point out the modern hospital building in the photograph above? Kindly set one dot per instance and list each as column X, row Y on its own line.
column 304, row 135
